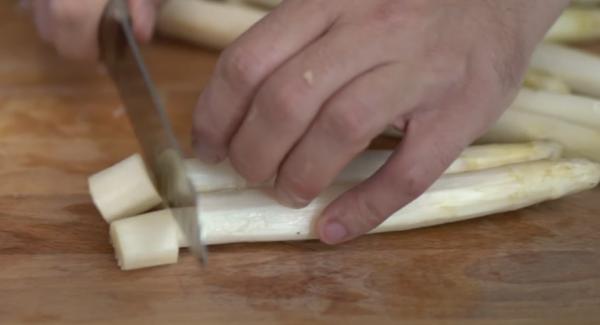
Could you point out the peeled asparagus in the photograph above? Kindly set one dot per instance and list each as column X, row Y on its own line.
column 208, row 178
column 586, row 2
column 254, row 216
column 573, row 108
column 541, row 80
column 123, row 190
column 575, row 25
column 579, row 69
column 207, row 23
column 571, row 120
column 521, row 125
column 146, row 240
column 265, row 3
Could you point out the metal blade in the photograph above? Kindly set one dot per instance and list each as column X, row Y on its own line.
column 148, row 117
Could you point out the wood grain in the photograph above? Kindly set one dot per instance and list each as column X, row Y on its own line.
column 60, row 122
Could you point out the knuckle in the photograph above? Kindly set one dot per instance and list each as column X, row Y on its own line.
column 299, row 186
column 411, row 182
column 249, row 164
column 240, row 68
column 348, row 127
column 370, row 214
column 279, row 104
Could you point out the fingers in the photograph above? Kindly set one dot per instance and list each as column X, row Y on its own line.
column 290, row 99
column 144, row 18
column 41, row 8
column 72, row 25
column 344, row 128
column 244, row 66
column 433, row 140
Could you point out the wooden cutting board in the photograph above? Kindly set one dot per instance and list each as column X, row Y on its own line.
column 60, row 122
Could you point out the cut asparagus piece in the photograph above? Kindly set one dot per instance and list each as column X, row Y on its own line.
column 518, row 126
column 206, row 23
column 577, row 109
column 124, row 189
column 541, row 80
column 146, row 240
column 208, row 178
column 576, row 25
column 579, row 69
column 254, row 216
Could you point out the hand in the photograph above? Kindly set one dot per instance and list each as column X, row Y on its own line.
column 71, row 26
column 307, row 89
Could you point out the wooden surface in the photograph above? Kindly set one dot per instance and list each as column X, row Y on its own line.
column 60, row 122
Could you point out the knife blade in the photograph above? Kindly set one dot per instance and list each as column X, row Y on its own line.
column 123, row 59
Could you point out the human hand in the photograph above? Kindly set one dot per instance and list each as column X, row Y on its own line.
column 71, row 26
column 308, row 87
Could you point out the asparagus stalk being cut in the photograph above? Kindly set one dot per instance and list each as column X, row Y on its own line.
column 126, row 189
column 253, row 216
column 207, row 178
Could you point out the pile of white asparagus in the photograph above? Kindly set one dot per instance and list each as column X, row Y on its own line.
column 546, row 146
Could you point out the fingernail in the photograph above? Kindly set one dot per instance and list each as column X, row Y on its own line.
column 334, row 232
column 291, row 200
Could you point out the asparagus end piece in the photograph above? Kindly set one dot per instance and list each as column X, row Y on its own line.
column 124, row 189
column 146, row 240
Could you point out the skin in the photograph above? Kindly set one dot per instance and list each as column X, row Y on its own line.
column 71, row 26
column 296, row 102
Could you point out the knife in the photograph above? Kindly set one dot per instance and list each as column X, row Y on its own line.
column 122, row 57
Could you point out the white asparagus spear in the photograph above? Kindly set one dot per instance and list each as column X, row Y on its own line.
column 207, row 178
column 206, row 23
column 265, row 3
column 520, row 125
column 573, row 108
column 576, row 25
column 541, row 80
column 124, row 189
column 579, row 69
column 217, row 24
column 253, row 216
column 586, row 2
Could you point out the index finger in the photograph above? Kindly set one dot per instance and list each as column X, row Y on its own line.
column 246, row 63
